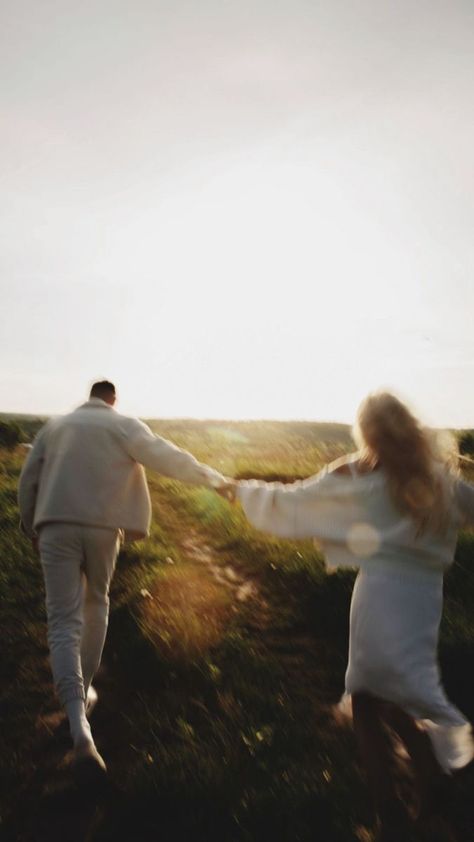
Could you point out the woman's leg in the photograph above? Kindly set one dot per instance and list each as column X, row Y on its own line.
column 432, row 783
column 429, row 775
column 377, row 753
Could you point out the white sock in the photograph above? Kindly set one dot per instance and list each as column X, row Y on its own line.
column 91, row 700
column 80, row 728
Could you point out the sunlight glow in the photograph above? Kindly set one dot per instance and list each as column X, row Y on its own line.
column 234, row 215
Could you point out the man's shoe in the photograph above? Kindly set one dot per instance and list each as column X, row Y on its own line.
column 88, row 766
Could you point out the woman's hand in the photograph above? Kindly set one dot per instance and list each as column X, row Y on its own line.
column 228, row 490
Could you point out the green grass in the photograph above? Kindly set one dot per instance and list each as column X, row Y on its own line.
column 214, row 714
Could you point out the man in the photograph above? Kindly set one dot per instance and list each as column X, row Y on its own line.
column 82, row 489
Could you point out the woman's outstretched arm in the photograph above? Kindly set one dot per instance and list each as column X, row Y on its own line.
column 298, row 510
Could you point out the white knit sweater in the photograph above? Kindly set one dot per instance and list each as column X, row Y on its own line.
column 354, row 520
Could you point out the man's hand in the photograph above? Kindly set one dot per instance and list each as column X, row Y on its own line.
column 228, row 490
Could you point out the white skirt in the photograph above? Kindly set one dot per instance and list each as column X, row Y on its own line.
column 394, row 624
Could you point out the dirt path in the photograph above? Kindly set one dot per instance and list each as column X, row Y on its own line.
column 243, row 588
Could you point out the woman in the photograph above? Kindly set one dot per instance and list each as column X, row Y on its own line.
column 393, row 509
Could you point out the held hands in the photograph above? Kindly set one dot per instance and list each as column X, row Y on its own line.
column 228, row 490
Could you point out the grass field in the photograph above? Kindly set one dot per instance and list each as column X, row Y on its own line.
column 226, row 649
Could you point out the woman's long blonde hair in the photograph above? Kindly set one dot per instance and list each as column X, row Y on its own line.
column 420, row 464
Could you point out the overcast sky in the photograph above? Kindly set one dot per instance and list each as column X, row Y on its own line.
column 237, row 209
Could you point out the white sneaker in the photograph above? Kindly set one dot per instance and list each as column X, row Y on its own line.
column 91, row 701
column 88, row 765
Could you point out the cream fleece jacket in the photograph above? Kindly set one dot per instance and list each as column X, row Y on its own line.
column 87, row 467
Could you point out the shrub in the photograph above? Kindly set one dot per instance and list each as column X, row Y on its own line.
column 11, row 434
column 466, row 442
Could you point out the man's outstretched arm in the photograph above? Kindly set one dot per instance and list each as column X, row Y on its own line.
column 161, row 455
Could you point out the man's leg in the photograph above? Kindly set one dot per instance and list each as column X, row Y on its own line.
column 61, row 557
column 101, row 547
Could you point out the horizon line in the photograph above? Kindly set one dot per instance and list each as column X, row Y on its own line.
column 203, row 419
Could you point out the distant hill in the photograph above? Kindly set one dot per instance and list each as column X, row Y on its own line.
column 30, row 424
column 316, row 432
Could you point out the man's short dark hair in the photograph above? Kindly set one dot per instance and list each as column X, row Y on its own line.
column 102, row 389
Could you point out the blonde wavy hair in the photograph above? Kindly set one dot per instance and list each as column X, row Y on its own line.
column 420, row 463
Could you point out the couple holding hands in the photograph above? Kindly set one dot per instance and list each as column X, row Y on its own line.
column 392, row 509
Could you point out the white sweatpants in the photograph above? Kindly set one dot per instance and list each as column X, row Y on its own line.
column 78, row 564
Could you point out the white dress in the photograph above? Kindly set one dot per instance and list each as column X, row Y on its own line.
column 398, row 595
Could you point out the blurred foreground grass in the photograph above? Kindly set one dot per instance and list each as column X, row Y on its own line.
column 226, row 649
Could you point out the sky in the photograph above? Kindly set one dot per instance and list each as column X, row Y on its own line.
column 237, row 209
